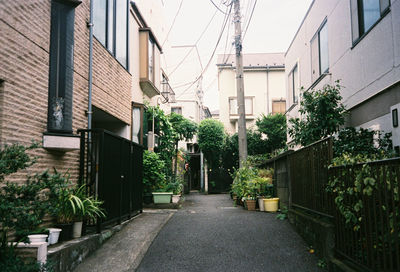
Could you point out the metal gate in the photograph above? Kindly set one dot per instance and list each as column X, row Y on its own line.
column 112, row 168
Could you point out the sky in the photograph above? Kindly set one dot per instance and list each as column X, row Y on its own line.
column 187, row 52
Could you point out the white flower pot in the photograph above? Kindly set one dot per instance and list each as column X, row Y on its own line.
column 176, row 198
column 54, row 234
column 261, row 204
column 77, row 230
column 37, row 238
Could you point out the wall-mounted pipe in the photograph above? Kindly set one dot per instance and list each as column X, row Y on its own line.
column 89, row 112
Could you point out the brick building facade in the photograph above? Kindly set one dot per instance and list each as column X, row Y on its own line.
column 25, row 57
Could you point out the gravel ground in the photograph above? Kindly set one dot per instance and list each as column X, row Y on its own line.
column 210, row 234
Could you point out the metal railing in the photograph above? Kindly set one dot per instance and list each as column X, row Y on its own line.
column 112, row 168
column 374, row 245
column 308, row 175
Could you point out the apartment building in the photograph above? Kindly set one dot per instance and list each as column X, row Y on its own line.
column 264, row 88
column 358, row 43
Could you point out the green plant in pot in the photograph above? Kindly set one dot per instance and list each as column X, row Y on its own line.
column 154, row 178
column 176, row 187
column 89, row 209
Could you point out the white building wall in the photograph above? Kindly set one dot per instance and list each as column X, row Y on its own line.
column 365, row 70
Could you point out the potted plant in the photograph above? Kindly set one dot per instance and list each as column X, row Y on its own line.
column 90, row 209
column 176, row 187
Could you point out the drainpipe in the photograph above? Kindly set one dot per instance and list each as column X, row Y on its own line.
column 268, row 90
column 89, row 112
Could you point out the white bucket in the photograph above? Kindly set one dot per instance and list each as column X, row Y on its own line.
column 54, row 234
column 261, row 204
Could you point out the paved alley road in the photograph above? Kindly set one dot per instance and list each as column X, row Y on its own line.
column 209, row 234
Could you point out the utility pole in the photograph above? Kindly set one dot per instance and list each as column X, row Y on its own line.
column 240, row 86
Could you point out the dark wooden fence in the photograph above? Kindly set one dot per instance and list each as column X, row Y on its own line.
column 372, row 244
column 112, row 168
column 308, row 174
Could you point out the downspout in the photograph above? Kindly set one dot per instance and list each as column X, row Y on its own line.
column 89, row 112
column 268, row 90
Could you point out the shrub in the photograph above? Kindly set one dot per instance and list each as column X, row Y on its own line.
column 154, row 178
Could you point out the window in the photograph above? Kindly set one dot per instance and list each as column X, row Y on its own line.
column 278, row 106
column 151, row 60
column 110, row 18
column 233, row 106
column 177, row 110
column 137, row 123
column 294, row 84
column 364, row 15
column 59, row 114
column 395, row 118
column 319, row 52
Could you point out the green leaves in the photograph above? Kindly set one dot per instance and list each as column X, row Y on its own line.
column 321, row 115
column 211, row 138
column 273, row 126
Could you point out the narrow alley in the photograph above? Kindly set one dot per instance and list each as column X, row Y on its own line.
column 210, row 234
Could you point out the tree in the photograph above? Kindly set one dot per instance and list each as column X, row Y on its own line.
column 322, row 114
column 273, row 126
column 211, row 138
column 185, row 130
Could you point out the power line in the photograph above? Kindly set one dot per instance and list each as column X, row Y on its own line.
column 201, row 35
column 173, row 22
column 217, row 7
column 248, row 23
column 226, row 19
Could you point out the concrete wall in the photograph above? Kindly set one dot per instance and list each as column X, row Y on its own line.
column 365, row 69
column 264, row 85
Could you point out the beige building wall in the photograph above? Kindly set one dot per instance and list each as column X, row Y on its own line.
column 264, row 82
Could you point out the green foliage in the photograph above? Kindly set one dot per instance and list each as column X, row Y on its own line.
column 350, row 194
column 14, row 158
column 273, row 126
column 363, row 142
column 321, row 115
column 283, row 214
column 11, row 262
column 175, row 186
column 154, row 178
column 84, row 205
column 211, row 138
column 167, row 136
column 184, row 128
column 250, row 182
column 322, row 263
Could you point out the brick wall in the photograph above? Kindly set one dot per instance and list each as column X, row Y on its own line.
column 24, row 58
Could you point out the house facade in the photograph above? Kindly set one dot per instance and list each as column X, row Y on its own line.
column 264, row 88
column 46, row 83
column 358, row 43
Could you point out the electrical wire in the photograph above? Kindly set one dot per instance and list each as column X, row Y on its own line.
column 173, row 23
column 251, row 16
column 217, row 7
column 191, row 49
column 226, row 19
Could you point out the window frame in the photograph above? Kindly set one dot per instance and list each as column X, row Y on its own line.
column 395, row 118
column 280, row 101
column 318, row 37
column 141, row 108
column 113, row 41
column 292, row 84
column 179, row 107
column 235, row 98
column 362, row 32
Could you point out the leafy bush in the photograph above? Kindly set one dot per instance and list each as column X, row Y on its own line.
column 322, row 113
column 273, row 126
column 363, row 142
column 154, row 178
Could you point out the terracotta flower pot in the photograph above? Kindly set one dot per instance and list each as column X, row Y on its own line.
column 251, row 204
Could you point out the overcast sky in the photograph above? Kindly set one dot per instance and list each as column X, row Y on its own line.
column 272, row 28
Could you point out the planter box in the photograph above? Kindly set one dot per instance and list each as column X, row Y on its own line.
column 163, row 197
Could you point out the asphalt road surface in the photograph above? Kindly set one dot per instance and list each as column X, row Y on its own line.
column 210, row 234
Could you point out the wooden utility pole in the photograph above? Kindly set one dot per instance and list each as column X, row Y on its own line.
column 240, row 86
